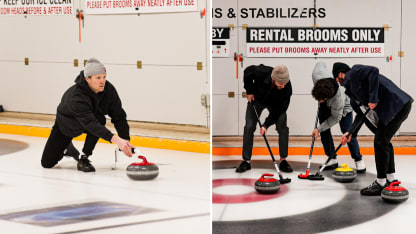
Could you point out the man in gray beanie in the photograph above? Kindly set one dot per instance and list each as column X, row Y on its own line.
column 82, row 110
column 267, row 88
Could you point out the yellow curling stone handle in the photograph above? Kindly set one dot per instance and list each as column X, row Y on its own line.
column 344, row 167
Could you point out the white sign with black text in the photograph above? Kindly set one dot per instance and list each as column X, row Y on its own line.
column 315, row 42
column 36, row 7
column 138, row 6
column 220, row 42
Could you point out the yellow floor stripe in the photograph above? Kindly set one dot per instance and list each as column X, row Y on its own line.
column 159, row 143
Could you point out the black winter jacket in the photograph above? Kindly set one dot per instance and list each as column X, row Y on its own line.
column 367, row 85
column 257, row 81
column 82, row 110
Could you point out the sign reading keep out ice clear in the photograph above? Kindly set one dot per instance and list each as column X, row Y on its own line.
column 138, row 6
column 315, row 42
column 36, row 7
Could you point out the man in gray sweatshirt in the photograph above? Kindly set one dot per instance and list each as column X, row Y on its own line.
column 334, row 107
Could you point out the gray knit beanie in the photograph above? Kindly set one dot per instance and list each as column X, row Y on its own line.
column 94, row 67
column 280, row 74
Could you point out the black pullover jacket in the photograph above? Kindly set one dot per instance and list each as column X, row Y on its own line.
column 81, row 110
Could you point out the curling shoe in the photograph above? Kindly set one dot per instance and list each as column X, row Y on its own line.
column 360, row 166
column 331, row 164
column 285, row 166
column 244, row 166
column 373, row 189
column 84, row 164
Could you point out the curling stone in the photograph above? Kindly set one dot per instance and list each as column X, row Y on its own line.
column 267, row 185
column 394, row 193
column 344, row 173
column 142, row 171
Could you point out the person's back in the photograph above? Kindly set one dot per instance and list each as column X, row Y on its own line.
column 257, row 82
column 390, row 98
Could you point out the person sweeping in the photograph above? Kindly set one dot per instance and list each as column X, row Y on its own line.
column 390, row 107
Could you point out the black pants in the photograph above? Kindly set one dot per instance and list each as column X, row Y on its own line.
column 250, row 128
column 383, row 149
column 58, row 142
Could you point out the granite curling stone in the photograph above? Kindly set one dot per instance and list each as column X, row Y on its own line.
column 344, row 174
column 142, row 171
column 267, row 185
column 394, row 193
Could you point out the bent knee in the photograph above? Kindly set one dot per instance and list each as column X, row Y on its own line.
column 48, row 164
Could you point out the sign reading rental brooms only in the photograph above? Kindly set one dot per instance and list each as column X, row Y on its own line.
column 315, row 42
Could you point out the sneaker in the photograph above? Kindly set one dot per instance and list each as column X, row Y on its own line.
column 373, row 189
column 284, row 166
column 331, row 164
column 71, row 151
column 85, row 165
column 244, row 166
column 360, row 166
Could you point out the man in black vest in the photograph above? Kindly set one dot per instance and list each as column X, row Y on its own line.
column 82, row 110
column 270, row 89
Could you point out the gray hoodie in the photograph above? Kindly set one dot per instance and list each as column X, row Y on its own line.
column 336, row 103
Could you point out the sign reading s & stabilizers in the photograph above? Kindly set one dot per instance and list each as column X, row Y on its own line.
column 315, row 42
column 36, row 7
column 138, row 6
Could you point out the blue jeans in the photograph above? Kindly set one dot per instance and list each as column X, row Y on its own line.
column 345, row 124
column 328, row 142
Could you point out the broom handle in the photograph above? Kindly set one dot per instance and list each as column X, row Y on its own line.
column 353, row 129
column 264, row 135
column 348, row 135
column 313, row 140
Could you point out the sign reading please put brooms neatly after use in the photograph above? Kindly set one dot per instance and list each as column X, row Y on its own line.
column 138, row 6
column 315, row 42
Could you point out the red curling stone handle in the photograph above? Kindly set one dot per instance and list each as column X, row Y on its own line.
column 264, row 175
column 144, row 159
column 395, row 183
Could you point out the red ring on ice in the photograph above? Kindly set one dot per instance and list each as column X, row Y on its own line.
column 243, row 198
